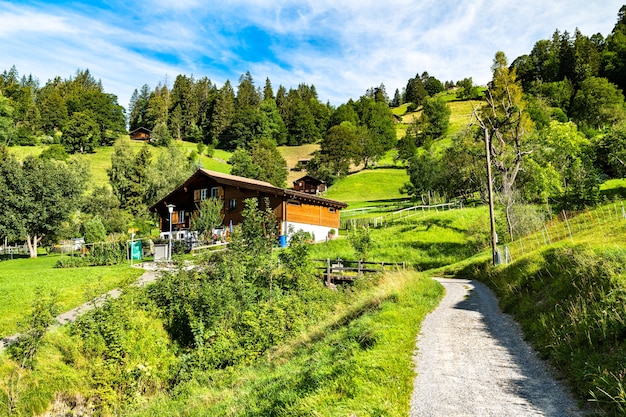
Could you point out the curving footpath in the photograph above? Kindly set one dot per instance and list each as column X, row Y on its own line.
column 472, row 361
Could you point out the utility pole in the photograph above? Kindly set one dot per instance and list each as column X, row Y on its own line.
column 492, row 219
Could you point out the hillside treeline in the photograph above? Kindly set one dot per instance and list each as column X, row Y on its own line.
column 75, row 112
column 243, row 117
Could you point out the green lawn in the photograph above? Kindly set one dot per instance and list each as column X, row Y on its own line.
column 19, row 278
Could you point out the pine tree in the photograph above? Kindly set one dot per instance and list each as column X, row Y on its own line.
column 224, row 112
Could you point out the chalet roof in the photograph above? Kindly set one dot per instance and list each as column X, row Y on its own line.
column 141, row 129
column 310, row 180
column 250, row 184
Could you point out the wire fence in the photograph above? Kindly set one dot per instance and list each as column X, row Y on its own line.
column 607, row 222
column 402, row 214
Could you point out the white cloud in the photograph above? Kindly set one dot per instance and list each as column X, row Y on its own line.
column 342, row 48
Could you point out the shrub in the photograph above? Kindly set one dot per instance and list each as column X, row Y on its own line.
column 124, row 352
column 361, row 241
column 71, row 262
column 94, row 231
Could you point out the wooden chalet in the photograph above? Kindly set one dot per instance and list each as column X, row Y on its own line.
column 309, row 185
column 141, row 133
column 294, row 210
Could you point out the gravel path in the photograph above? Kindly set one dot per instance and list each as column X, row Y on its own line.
column 473, row 361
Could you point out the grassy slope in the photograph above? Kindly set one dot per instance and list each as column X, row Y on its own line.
column 358, row 362
column 20, row 277
column 100, row 161
column 294, row 153
column 367, row 187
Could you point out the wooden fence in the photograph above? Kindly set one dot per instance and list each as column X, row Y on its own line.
column 7, row 252
column 342, row 270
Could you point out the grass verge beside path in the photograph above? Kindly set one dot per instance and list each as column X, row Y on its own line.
column 358, row 362
column 20, row 277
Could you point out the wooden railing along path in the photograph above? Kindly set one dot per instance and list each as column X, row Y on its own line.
column 342, row 270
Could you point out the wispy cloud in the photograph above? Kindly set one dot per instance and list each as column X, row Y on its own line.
column 342, row 48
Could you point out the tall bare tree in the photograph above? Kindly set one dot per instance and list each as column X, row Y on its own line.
column 505, row 126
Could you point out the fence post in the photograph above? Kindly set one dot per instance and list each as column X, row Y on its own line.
column 359, row 267
column 568, row 228
column 328, row 272
column 547, row 233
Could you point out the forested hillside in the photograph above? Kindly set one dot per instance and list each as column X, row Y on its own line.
column 557, row 137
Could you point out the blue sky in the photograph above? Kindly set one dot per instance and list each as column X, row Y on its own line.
column 342, row 47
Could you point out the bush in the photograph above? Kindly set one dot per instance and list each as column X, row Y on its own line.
column 123, row 351
column 71, row 262
column 94, row 231
column 360, row 241
column 100, row 255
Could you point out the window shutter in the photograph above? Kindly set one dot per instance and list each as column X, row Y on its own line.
column 175, row 217
column 196, row 195
column 220, row 192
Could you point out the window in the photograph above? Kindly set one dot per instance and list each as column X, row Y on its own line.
column 332, row 210
column 181, row 216
column 204, row 194
column 232, row 204
column 293, row 203
column 214, row 192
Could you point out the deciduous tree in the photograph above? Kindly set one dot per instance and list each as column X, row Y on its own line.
column 39, row 195
column 81, row 135
column 504, row 125
column 598, row 104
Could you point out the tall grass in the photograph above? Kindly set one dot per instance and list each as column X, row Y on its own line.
column 358, row 362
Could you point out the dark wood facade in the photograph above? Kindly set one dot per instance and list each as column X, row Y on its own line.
column 309, row 185
column 141, row 133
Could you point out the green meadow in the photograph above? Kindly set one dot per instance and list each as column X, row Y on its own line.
column 369, row 187
column 100, row 160
column 21, row 277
